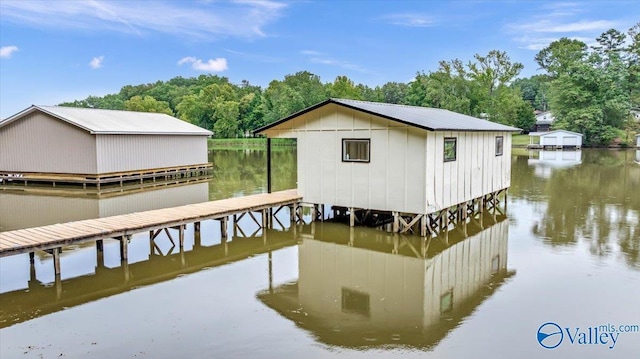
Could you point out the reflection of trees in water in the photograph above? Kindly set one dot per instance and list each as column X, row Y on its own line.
column 238, row 172
column 597, row 201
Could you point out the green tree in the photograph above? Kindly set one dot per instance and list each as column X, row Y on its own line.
column 394, row 92
column 556, row 58
column 343, row 87
column 226, row 122
column 147, row 104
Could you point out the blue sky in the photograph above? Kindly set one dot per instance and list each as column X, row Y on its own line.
column 55, row 51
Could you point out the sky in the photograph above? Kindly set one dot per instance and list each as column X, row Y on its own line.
column 64, row 50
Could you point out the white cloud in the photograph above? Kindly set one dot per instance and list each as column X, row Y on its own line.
column 194, row 20
column 550, row 26
column 410, row 20
column 7, row 51
column 96, row 62
column 318, row 57
column 557, row 20
column 212, row 65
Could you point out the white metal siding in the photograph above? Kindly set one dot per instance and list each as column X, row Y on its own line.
column 548, row 140
column 570, row 140
column 393, row 179
column 118, row 153
column 40, row 143
column 407, row 172
column 475, row 172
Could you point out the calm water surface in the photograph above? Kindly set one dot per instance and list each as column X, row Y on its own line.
column 567, row 251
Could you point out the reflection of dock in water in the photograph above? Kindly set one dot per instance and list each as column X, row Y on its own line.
column 374, row 288
column 39, row 298
column 43, row 206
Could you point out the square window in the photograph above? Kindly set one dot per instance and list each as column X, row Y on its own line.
column 499, row 145
column 355, row 150
column 355, row 302
column 450, row 149
column 446, row 302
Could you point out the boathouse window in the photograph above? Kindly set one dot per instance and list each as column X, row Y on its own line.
column 499, row 145
column 450, row 149
column 446, row 302
column 355, row 302
column 355, row 150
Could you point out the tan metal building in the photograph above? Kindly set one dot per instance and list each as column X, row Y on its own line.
column 67, row 140
column 407, row 159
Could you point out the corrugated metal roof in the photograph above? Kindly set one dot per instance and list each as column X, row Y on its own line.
column 432, row 119
column 98, row 121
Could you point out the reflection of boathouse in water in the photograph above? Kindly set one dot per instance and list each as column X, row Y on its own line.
column 545, row 161
column 380, row 289
column 35, row 207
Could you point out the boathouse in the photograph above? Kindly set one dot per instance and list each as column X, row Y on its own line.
column 401, row 159
column 376, row 290
column 560, row 139
column 84, row 145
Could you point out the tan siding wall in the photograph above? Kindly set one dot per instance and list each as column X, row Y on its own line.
column 39, row 143
column 393, row 180
column 133, row 152
column 475, row 172
column 407, row 172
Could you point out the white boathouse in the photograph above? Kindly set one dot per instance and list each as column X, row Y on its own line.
column 415, row 163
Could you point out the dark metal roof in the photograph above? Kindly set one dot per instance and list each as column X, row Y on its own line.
column 430, row 119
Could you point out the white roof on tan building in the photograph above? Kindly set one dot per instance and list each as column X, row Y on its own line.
column 115, row 122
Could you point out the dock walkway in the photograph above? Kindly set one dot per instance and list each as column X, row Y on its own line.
column 52, row 237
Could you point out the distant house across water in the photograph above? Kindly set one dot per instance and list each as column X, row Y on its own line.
column 544, row 120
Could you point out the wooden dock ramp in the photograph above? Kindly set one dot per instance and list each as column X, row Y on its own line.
column 52, row 238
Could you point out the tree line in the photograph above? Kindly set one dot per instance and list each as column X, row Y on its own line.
column 591, row 90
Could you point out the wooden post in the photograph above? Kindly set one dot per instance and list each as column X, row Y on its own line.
column 264, row 218
column 99, row 245
column 396, row 222
column 396, row 243
column 99, row 258
column 423, row 225
column 32, row 273
column 32, row 257
column 181, row 235
column 223, row 228
column 268, row 165
column 270, row 272
column 124, row 248
column 506, row 195
column 352, row 217
column 197, row 238
column 56, row 260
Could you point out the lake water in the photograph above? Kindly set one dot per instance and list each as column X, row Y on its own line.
column 567, row 253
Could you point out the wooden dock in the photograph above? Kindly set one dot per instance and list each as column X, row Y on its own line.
column 13, row 179
column 52, row 238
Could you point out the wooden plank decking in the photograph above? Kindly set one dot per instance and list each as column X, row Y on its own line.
column 58, row 235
